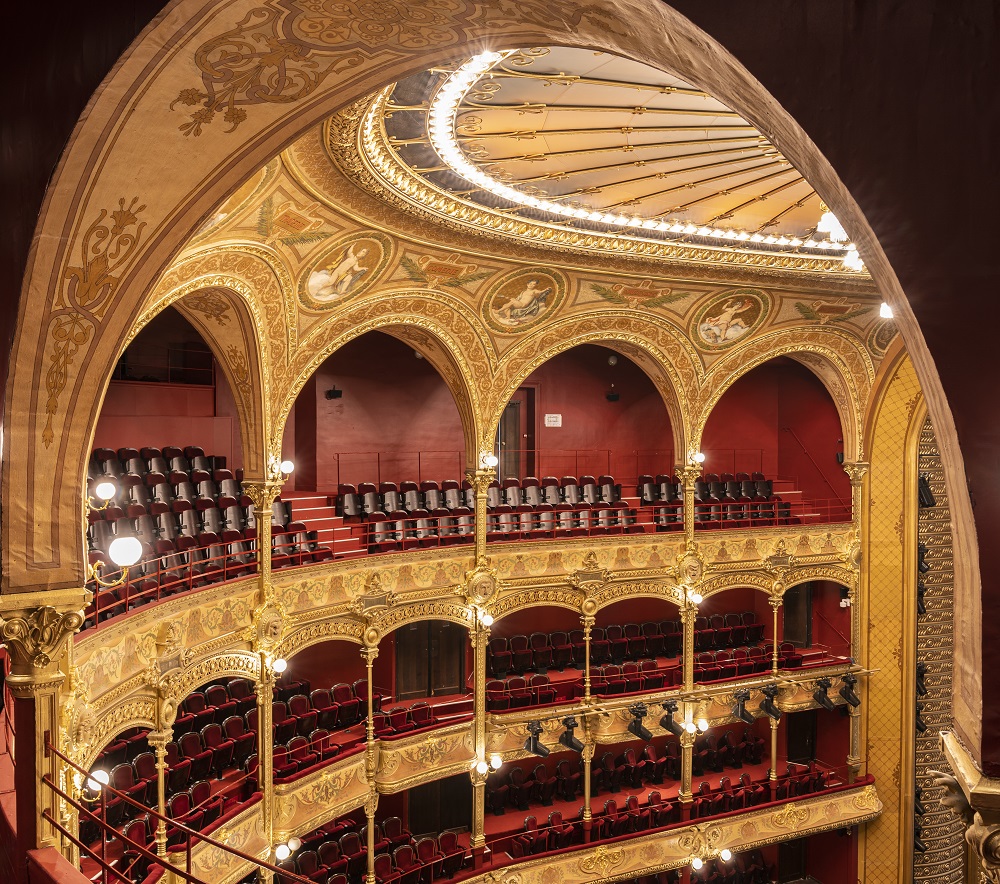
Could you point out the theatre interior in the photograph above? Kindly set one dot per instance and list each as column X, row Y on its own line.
column 477, row 443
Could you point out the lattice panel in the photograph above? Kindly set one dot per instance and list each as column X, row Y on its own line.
column 943, row 832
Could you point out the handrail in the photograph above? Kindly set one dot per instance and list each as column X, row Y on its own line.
column 819, row 469
column 155, row 815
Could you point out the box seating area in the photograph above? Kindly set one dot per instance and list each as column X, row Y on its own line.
column 195, row 524
column 727, row 500
column 337, row 853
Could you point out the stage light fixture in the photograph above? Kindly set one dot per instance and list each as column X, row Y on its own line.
column 740, row 710
column 918, row 722
column 925, row 497
column 921, row 674
column 918, row 805
column 533, row 744
column 847, row 689
column 638, row 713
column 820, row 694
column 918, row 844
column 767, row 705
column 566, row 738
column 921, row 590
column 667, row 722
column 922, row 565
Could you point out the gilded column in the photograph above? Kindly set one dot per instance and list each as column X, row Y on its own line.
column 858, row 473
column 264, row 494
column 265, row 749
column 479, row 636
column 772, row 774
column 588, row 625
column 371, row 805
column 36, row 637
column 689, row 613
column 775, row 601
column 688, row 476
column 481, row 480
column 158, row 743
column 687, row 755
column 369, row 652
column 588, row 759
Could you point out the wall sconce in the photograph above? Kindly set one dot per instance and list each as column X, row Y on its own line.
column 123, row 552
column 496, row 762
column 279, row 665
column 105, row 491
column 488, row 460
column 696, row 458
column 97, row 780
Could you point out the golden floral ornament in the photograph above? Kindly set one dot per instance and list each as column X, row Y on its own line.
column 38, row 638
column 790, row 817
column 344, row 270
column 523, row 299
column 602, row 861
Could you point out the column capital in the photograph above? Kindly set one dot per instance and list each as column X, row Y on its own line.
column 481, row 479
column 856, row 471
column 35, row 634
column 262, row 492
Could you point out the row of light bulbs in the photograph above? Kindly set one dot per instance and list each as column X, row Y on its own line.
column 442, row 135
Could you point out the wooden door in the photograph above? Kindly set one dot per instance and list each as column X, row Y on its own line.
column 430, row 659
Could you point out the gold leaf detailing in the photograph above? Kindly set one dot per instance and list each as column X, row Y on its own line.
column 790, row 817
column 602, row 861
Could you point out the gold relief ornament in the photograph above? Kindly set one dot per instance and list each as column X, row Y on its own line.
column 38, row 639
column 690, row 568
column 602, row 861
column 790, row 817
column 267, row 627
column 482, row 584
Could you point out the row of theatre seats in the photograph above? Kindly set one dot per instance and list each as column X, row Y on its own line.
column 337, row 853
column 617, row 643
column 732, row 500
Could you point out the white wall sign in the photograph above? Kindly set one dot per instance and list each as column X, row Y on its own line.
column 553, row 420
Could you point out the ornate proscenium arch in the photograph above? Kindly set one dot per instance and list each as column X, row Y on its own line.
column 446, row 335
column 840, row 363
column 653, row 344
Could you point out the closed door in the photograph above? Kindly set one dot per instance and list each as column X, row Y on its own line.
column 797, row 612
column 517, row 436
column 801, row 736
column 430, row 659
column 444, row 804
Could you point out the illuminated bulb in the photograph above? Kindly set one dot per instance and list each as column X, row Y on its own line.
column 105, row 490
column 286, row 467
column 486, row 619
column 294, row 843
column 482, row 767
column 725, row 854
column 690, row 727
column 718, row 232
column 699, row 457
column 852, row 260
column 770, row 240
column 829, row 224
column 650, row 224
column 703, row 724
column 696, row 597
column 282, row 852
column 690, row 228
column 279, row 665
column 125, row 551
column 488, row 460
column 704, row 231
column 98, row 779
column 743, row 236
column 496, row 762
column 696, row 863
column 885, row 311
column 676, row 228
column 782, row 241
column 756, row 238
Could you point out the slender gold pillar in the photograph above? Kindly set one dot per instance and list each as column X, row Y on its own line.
column 588, row 625
column 689, row 614
column 686, row 740
column 479, row 636
column 371, row 805
column 858, row 473
column 158, row 742
column 264, row 691
column 481, row 480
column 773, row 772
column 588, row 759
column 775, row 601
column 264, row 494
column 689, row 475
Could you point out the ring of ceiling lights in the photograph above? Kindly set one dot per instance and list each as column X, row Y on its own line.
column 559, row 223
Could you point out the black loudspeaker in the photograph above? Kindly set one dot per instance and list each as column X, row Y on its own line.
column 333, row 393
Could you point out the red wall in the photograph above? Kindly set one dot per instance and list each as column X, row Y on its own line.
column 392, row 403
column 747, row 430
column 833, row 734
column 327, row 664
column 831, row 624
column 574, row 384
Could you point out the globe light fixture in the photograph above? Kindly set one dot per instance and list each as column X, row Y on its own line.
column 279, row 665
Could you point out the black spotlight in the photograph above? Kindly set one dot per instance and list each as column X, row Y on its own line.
column 922, row 565
column 921, row 725
column 638, row 713
column 921, row 589
column 767, row 706
column 820, row 694
column 925, row 497
column 533, row 744
column 921, row 673
column 918, row 844
column 333, row 393
column 740, row 710
column 667, row 722
column 918, row 805
column 847, row 690
column 567, row 739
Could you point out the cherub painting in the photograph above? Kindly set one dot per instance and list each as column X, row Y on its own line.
column 523, row 300
column 345, row 270
column 329, row 283
column 730, row 317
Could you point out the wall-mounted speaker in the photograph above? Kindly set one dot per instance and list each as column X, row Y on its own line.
column 333, row 393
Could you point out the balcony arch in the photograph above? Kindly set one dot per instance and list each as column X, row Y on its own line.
column 449, row 339
column 838, row 360
column 654, row 346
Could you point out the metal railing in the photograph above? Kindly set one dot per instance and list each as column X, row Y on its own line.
column 109, row 834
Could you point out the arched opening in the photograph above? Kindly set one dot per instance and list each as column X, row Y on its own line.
column 379, row 446
column 731, row 633
column 636, row 647
column 773, row 448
